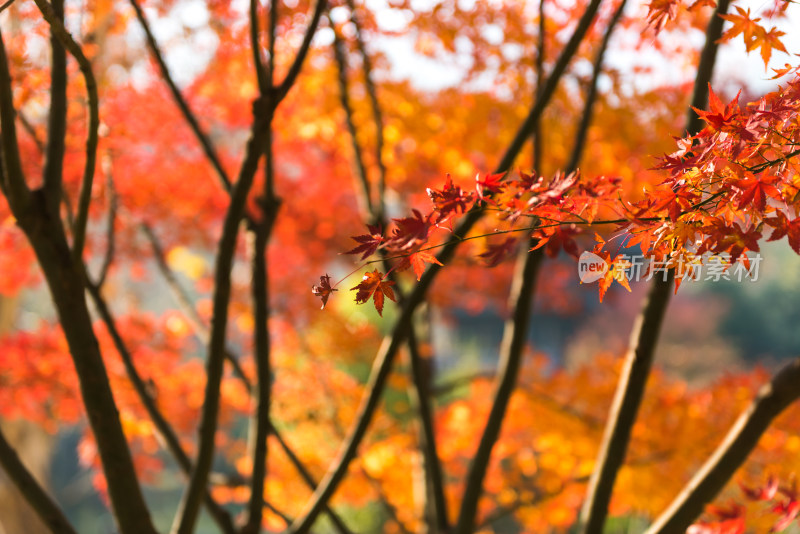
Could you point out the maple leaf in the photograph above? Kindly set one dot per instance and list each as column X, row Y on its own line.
column 498, row 252
column 373, row 285
column 451, row 199
column 755, row 190
column 718, row 115
column 742, row 23
column 417, row 261
column 788, row 511
column 784, row 227
column 369, row 243
column 410, row 231
column 732, row 239
column 768, row 41
column 323, row 290
column 493, row 183
column 765, row 493
column 556, row 238
column 660, row 11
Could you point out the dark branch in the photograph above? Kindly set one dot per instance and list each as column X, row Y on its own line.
column 85, row 196
column 57, row 119
column 771, row 400
column 44, row 506
column 644, row 338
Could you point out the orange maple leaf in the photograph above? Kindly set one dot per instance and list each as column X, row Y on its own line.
column 373, row 285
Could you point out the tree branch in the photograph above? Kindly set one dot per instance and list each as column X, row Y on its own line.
column 65, row 280
column 511, row 351
column 190, row 117
column 377, row 115
column 283, row 89
column 644, row 337
column 171, row 440
column 591, row 94
column 85, row 196
column 388, row 350
column 44, row 506
column 771, row 400
column 57, row 119
column 12, row 178
column 365, row 198
column 189, row 507
column 419, row 393
column 113, row 204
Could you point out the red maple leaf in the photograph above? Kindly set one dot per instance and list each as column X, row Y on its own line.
column 493, row 183
column 323, row 290
column 373, row 285
column 449, row 200
column 765, row 493
column 410, row 231
column 369, row 243
column 788, row 511
column 556, row 238
column 718, row 115
column 784, row 227
column 498, row 252
column 755, row 190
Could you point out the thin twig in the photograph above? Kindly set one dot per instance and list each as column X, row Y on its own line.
column 294, row 70
column 12, row 178
column 113, row 204
column 339, row 54
column 377, row 115
column 190, row 117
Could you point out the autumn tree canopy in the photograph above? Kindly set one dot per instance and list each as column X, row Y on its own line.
column 185, row 184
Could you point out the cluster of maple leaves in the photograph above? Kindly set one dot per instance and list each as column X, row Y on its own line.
column 726, row 185
column 782, row 500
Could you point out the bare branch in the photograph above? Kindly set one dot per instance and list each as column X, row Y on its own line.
column 170, row 438
column 44, row 506
column 12, row 178
column 186, row 304
column 113, row 204
column 339, row 53
column 771, row 400
column 28, row 127
column 511, row 351
column 85, row 196
column 302, row 52
column 57, row 119
column 377, row 115
column 189, row 507
column 261, row 74
column 644, row 337
column 419, row 393
column 591, row 93
column 540, row 53
column 190, row 117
